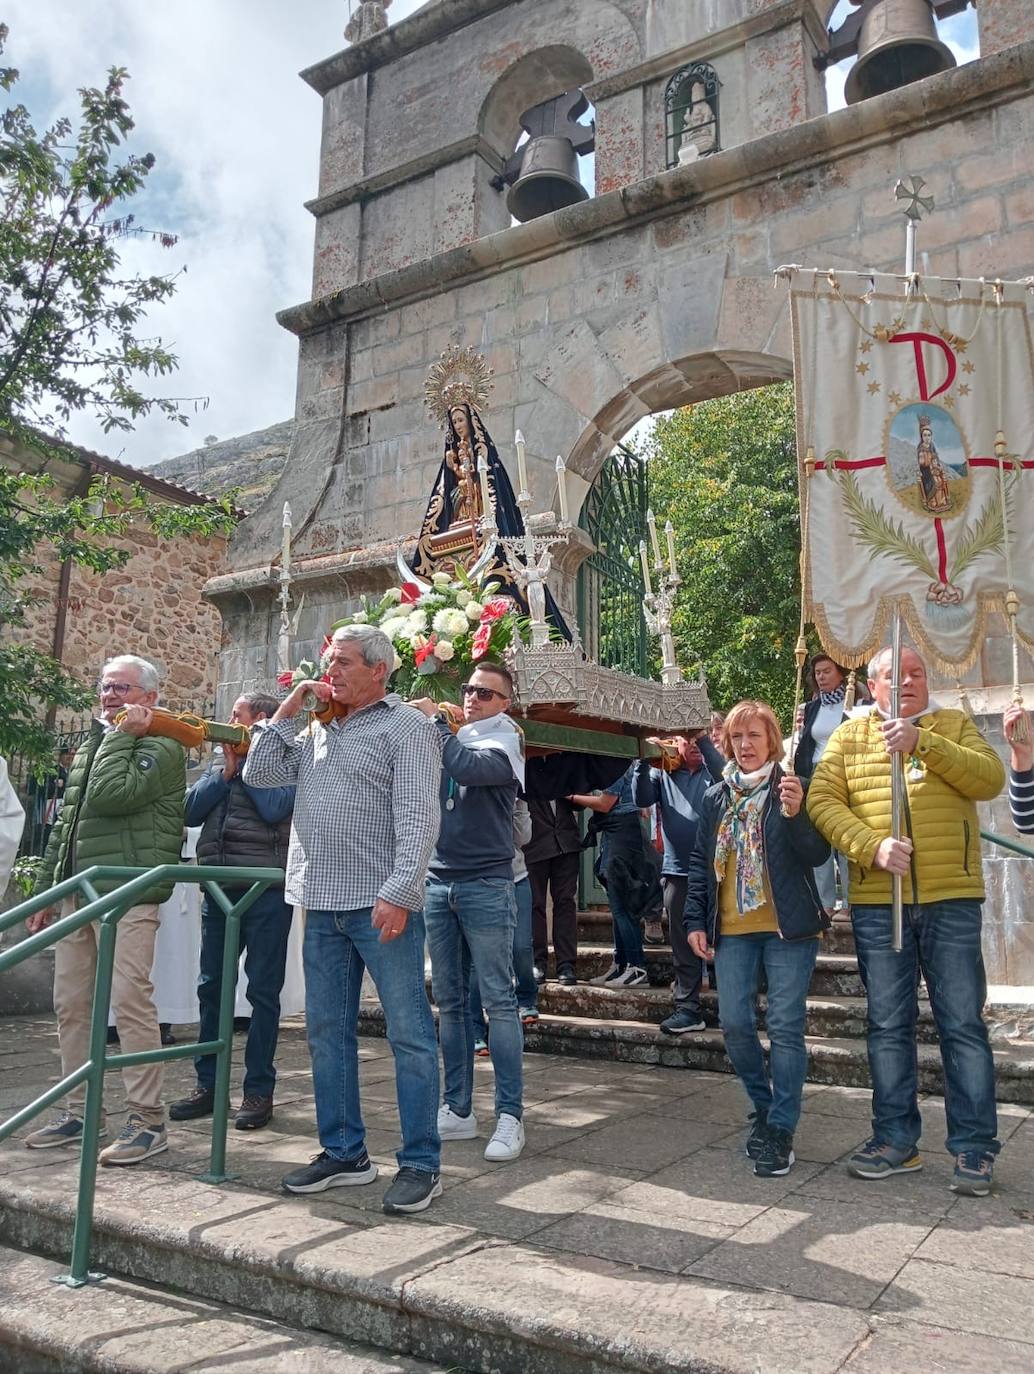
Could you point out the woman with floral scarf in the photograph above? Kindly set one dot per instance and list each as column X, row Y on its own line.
column 752, row 905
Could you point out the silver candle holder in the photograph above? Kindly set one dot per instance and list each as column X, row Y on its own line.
column 659, row 604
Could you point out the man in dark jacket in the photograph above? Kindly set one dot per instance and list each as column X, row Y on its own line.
column 470, row 909
column 552, row 856
column 249, row 826
column 123, row 805
column 678, row 793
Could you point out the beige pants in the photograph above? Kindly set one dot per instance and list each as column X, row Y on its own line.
column 132, row 999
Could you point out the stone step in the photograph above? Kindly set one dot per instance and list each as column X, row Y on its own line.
column 595, row 928
column 431, row 1288
column 125, row 1327
column 836, row 975
column 831, row 1059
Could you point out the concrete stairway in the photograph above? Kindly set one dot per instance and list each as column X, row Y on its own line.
column 622, row 1025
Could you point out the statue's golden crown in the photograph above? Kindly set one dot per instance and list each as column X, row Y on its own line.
column 459, row 377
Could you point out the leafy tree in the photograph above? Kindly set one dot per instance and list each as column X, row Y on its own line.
column 67, row 344
column 725, row 473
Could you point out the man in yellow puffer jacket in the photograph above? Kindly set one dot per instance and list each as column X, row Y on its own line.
column 949, row 767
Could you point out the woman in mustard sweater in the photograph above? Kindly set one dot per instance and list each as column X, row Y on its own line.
column 751, row 899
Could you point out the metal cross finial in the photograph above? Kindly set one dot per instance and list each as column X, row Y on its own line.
column 910, row 191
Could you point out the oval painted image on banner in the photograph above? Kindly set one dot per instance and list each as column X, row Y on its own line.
column 927, row 461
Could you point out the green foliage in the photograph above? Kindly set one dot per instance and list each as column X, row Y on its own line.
column 67, row 311
column 67, row 344
column 25, row 872
column 725, row 473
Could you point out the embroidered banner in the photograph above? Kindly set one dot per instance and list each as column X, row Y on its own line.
column 900, row 401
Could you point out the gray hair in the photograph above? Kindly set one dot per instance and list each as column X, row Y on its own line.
column 146, row 671
column 374, row 644
column 876, row 662
column 260, row 703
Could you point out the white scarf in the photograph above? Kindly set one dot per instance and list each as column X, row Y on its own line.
column 497, row 732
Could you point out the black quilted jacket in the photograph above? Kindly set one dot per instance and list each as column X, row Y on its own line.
column 793, row 847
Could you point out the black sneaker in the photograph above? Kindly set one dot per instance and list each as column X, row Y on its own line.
column 201, row 1102
column 566, row 976
column 412, row 1190
column 681, row 1022
column 758, row 1133
column 776, row 1157
column 325, row 1172
column 540, row 975
column 254, row 1113
column 165, row 1032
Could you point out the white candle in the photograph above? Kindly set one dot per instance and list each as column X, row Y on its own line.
column 645, row 560
column 669, row 530
column 652, row 523
column 486, row 498
column 285, row 559
column 522, row 466
column 561, row 483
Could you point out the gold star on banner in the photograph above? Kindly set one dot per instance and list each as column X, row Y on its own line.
column 873, row 388
column 949, row 401
column 894, row 397
column 861, row 368
column 969, row 366
column 963, row 389
column 926, row 323
column 866, row 345
column 961, row 345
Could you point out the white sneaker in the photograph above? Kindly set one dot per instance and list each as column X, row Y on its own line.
column 605, row 979
column 508, row 1140
column 452, row 1126
column 632, row 977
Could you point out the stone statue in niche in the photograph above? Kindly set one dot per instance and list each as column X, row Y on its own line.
column 367, row 19
column 698, row 126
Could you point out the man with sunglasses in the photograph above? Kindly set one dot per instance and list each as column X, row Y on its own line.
column 470, row 909
column 123, row 805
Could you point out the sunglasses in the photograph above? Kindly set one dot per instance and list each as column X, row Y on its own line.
column 118, row 689
column 482, row 693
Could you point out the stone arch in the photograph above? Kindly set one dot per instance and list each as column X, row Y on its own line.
column 537, row 76
column 684, row 381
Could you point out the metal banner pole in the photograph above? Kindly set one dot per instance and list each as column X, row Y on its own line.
column 897, row 786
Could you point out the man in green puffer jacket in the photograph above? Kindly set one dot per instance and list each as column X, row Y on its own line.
column 123, row 806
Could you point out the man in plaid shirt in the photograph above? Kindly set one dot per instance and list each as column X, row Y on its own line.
column 366, row 818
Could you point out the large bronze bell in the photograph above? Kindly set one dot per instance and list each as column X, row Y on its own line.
column 897, row 45
column 548, row 180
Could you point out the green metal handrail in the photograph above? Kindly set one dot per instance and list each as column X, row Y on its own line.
column 1006, row 843
column 108, row 910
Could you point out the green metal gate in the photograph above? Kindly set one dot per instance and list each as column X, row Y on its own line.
column 610, row 588
column 610, row 584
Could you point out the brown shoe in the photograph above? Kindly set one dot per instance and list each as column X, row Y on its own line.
column 653, row 933
column 254, row 1113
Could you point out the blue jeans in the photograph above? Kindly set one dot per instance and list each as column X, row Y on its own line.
column 526, row 988
column 628, row 935
column 471, row 924
column 788, row 966
column 339, row 946
column 265, row 928
column 941, row 940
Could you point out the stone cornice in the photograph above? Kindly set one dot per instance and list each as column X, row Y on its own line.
column 409, row 171
column 713, row 45
column 939, row 99
column 408, row 35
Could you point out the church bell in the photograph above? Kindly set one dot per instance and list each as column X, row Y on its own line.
column 548, row 179
column 897, row 44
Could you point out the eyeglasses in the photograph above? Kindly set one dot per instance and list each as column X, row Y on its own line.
column 118, row 689
column 482, row 693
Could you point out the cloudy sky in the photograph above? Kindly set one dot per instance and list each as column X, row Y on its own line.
column 217, row 99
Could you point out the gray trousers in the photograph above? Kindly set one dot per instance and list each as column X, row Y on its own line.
column 689, row 970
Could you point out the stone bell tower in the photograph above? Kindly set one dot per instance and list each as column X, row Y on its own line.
column 715, row 160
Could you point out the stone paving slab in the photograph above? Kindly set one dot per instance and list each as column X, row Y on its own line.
column 630, row 1236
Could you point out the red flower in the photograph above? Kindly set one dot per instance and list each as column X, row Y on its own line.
column 428, row 649
column 410, row 593
column 328, row 640
column 495, row 609
column 286, row 679
column 482, row 637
